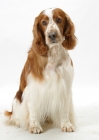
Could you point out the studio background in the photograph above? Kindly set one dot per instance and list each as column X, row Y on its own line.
column 16, row 24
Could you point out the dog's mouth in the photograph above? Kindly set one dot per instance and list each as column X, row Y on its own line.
column 54, row 41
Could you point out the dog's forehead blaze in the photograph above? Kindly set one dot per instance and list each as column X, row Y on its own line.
column 53, row 12
column 48, row 12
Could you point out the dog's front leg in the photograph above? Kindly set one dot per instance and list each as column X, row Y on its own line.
column 68, row 119
column 34, row 125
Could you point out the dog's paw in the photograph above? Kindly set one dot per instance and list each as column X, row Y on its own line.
column 36, row 130
column 68, row 127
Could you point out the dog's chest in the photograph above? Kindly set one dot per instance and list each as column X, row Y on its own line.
column 56, row 60
column 56, row 74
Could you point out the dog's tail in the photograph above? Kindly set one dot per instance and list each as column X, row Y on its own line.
column 8, row 113
column 8, row 118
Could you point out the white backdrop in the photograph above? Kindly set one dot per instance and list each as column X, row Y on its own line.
column 16, row 22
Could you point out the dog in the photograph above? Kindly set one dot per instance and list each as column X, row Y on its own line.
column 45, row 90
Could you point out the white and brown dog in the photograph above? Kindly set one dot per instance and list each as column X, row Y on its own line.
column 46, row 80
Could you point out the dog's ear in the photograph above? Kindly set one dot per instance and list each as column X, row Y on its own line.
column 69, row 30
column 39, row 39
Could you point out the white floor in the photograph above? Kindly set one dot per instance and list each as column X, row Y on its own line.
column 87, row 116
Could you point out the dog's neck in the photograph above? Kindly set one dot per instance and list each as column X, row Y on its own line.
column 56, row 55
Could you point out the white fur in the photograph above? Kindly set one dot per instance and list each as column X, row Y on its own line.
column 50, row 98
column 48, row 12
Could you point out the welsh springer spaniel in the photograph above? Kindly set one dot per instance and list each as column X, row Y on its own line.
column 46, row 80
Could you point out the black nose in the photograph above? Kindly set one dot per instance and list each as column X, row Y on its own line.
column 52, row 35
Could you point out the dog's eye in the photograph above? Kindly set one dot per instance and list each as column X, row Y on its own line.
column 58, row 20
column 44, row 23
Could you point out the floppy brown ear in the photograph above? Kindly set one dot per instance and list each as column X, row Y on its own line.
column 39, row 39
column 70, row 38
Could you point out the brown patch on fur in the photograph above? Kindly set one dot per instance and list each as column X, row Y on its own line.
column 7, row 113
column 39, row 38
column 35, row 64
column 66, row 27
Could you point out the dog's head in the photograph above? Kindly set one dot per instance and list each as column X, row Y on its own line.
column 53, row 26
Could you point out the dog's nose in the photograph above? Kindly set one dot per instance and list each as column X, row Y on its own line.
column 52, row 35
